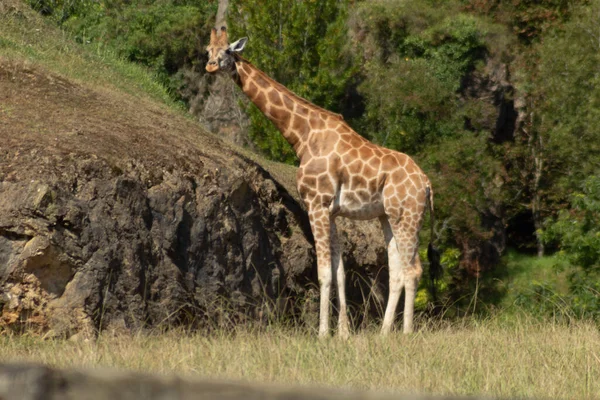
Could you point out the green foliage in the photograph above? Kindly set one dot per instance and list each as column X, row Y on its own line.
column 301, row 44
column 567, row 98
column 544, row 301
column 532, row 17
column 528, row 283
column 412, row 88
column 61, row 10
column 452, row 48
column 407, row 106
column 557, row 146
column 528, row 19
column 467, row 181
column 577, row 232
column 163, row 35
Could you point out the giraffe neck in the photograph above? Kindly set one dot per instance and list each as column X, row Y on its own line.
column 290, row 113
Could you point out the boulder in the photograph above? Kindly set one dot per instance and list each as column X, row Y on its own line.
column 118, row 214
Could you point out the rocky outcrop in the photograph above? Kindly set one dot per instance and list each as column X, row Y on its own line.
column 102, row 249
column 491, row 88
column 118, row 214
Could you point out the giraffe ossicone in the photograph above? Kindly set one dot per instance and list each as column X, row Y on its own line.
column 341, row 174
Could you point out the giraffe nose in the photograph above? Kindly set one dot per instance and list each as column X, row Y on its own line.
column 212, row 66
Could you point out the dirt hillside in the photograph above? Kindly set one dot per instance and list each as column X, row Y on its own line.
column 117, row 212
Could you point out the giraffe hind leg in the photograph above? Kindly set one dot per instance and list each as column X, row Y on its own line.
column 339, row 279
column 412, row 276
column 404, row 271
column 395, row 280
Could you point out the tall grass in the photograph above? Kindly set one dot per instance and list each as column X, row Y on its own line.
column 519, row 358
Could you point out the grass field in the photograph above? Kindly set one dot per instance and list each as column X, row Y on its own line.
column 519, row 358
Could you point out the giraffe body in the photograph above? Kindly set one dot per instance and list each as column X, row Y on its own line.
column 341, row 174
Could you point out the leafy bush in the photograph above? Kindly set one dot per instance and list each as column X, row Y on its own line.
column 163, row 35
column 301, row 44
column 528, row 19
column 577, row 230
column 411, row 86
column 577, row 233
column 567, row 98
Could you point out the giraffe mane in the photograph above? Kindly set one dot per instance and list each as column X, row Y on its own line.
column 294, row 96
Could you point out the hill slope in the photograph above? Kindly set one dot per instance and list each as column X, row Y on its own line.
column 117, row 211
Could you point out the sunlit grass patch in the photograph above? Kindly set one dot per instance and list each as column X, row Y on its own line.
column 523, row 358
column 25, row 36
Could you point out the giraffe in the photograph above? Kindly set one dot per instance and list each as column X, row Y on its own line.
column 341, row 174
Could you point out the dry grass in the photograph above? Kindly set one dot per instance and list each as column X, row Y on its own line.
column 517, row 359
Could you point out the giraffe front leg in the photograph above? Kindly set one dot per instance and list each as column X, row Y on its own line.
column 340, row 282
column 321, row 225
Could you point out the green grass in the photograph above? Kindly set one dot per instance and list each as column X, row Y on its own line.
column 523, row 358
column 523, row 270
column 26, row 36
column 517, row 275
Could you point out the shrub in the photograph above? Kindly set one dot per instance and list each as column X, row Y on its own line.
column 162, row 35
column 577, row 233
column 301, row 44
column 415, row 66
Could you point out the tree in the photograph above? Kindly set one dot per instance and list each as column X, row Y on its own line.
column 301, row 44
column 560, row 136
column 413, row 75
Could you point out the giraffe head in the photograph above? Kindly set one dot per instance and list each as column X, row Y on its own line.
column 221, row 54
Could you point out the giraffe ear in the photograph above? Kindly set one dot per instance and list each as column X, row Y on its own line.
column 239, row 45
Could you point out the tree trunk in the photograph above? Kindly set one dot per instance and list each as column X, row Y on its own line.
column 536, row 144
column 221, row 19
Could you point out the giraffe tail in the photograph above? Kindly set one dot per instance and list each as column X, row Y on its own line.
column 433, row 255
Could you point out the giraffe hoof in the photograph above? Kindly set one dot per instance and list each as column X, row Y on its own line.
column 344, row 334
column 385, row 331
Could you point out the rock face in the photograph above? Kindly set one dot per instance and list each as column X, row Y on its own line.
column 117, row 214
column 105, row 249
column 122, row 219
column 492, row 89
